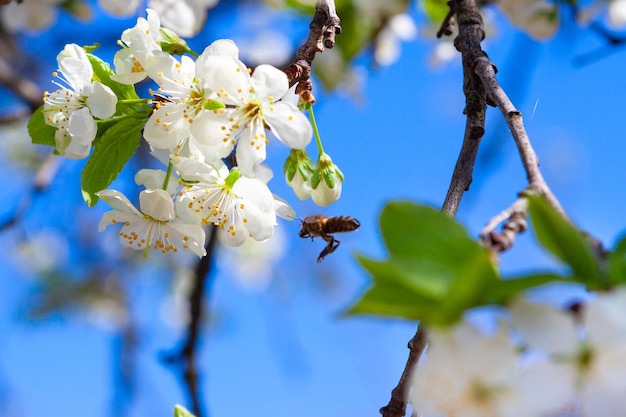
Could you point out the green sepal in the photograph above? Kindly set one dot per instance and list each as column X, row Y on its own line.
column 112, row 150
column 40, row 132
column 330, row 178
column 316, row 178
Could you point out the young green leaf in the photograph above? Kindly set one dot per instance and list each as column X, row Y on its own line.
column 40, row 132
column 504, row 290
column 565, row 241
column 435, row 270
column 617, row 263
column 180, row 411
column 111, row 152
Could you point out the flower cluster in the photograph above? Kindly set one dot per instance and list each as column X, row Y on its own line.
column 562, row 361
column 209, row 121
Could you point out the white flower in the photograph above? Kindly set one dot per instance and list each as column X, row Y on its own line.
column 468, row 374
column 238, row 205
column 252, row 103
column 399, row 28
column 538, row 17
column 30, row 15
column 71, row 109
column 155, row 226
column 169, row 124
column 120, row 7
column 139, row 44
column 596, row 363
column 617, row 13
column 185, row 17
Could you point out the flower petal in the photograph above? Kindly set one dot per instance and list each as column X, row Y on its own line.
column 118, row 201
column 269, row 83
column 101, row 100
column 167, row 127
column 189, row 237
column 157, row 204
column 289, row 125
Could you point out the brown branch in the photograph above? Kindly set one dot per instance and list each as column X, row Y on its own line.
column 471, row 33
column 514, row 219
column 185, row 357
column 400, row 394
column 323, row 28
column 26, row 89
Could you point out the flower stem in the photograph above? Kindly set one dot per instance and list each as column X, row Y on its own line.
column 320, row 148
column 168, row 174
column 133, row 100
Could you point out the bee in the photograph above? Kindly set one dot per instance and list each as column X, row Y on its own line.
column 323, row 226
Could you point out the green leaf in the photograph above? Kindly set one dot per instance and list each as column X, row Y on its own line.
column 505, row 290
column 40, row 132
column 180, row 411
column 436, row 10
column 435, row 270
column 102, row 73
column 111, row 152
column 565, row 241
column 617, row 263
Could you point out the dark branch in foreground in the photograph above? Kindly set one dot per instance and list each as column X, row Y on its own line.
column 400, row 394
column 323, row 28
column 185, row 357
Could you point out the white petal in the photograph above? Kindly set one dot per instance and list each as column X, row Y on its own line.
column 222, row 46
column 101, row 100
column 126, row 71
column 167, row 126
column 544, row 328
column 212, row 130
column 193, row 170
column 119, row 7
column 118, row 201
column 289, row 125
column 604, row 317
column 251, row 149
column 154, row 179
column 324, row 196
column 226, row 76
column 75, row 66
column 258, row 208
column 269, row 81
column 115, row 217
column 188, row 236
column 157, row 204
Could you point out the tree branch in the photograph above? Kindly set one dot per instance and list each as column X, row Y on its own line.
column 323, row 28
column 400, row 394
column 185, row 357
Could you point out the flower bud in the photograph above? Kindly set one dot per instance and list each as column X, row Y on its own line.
column 298, row 170
column 326, row 182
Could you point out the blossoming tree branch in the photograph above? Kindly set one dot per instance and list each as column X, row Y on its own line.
column 208, row 119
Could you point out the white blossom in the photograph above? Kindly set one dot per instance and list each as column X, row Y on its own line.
column 469, row 374
column 252, row 102
column 185, row 17
column 155, row 226
column 72, row 108
column 139, row 44
column 241, row 207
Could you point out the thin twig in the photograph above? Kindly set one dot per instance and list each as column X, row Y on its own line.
column 471, row 33
column 447, row 27
column 514, row 219
column 185, row 357
column 400, row 394
column 323, row 28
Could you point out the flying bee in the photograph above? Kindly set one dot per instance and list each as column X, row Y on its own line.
column 323, row 226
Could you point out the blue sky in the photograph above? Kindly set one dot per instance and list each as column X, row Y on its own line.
column 285, row 349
